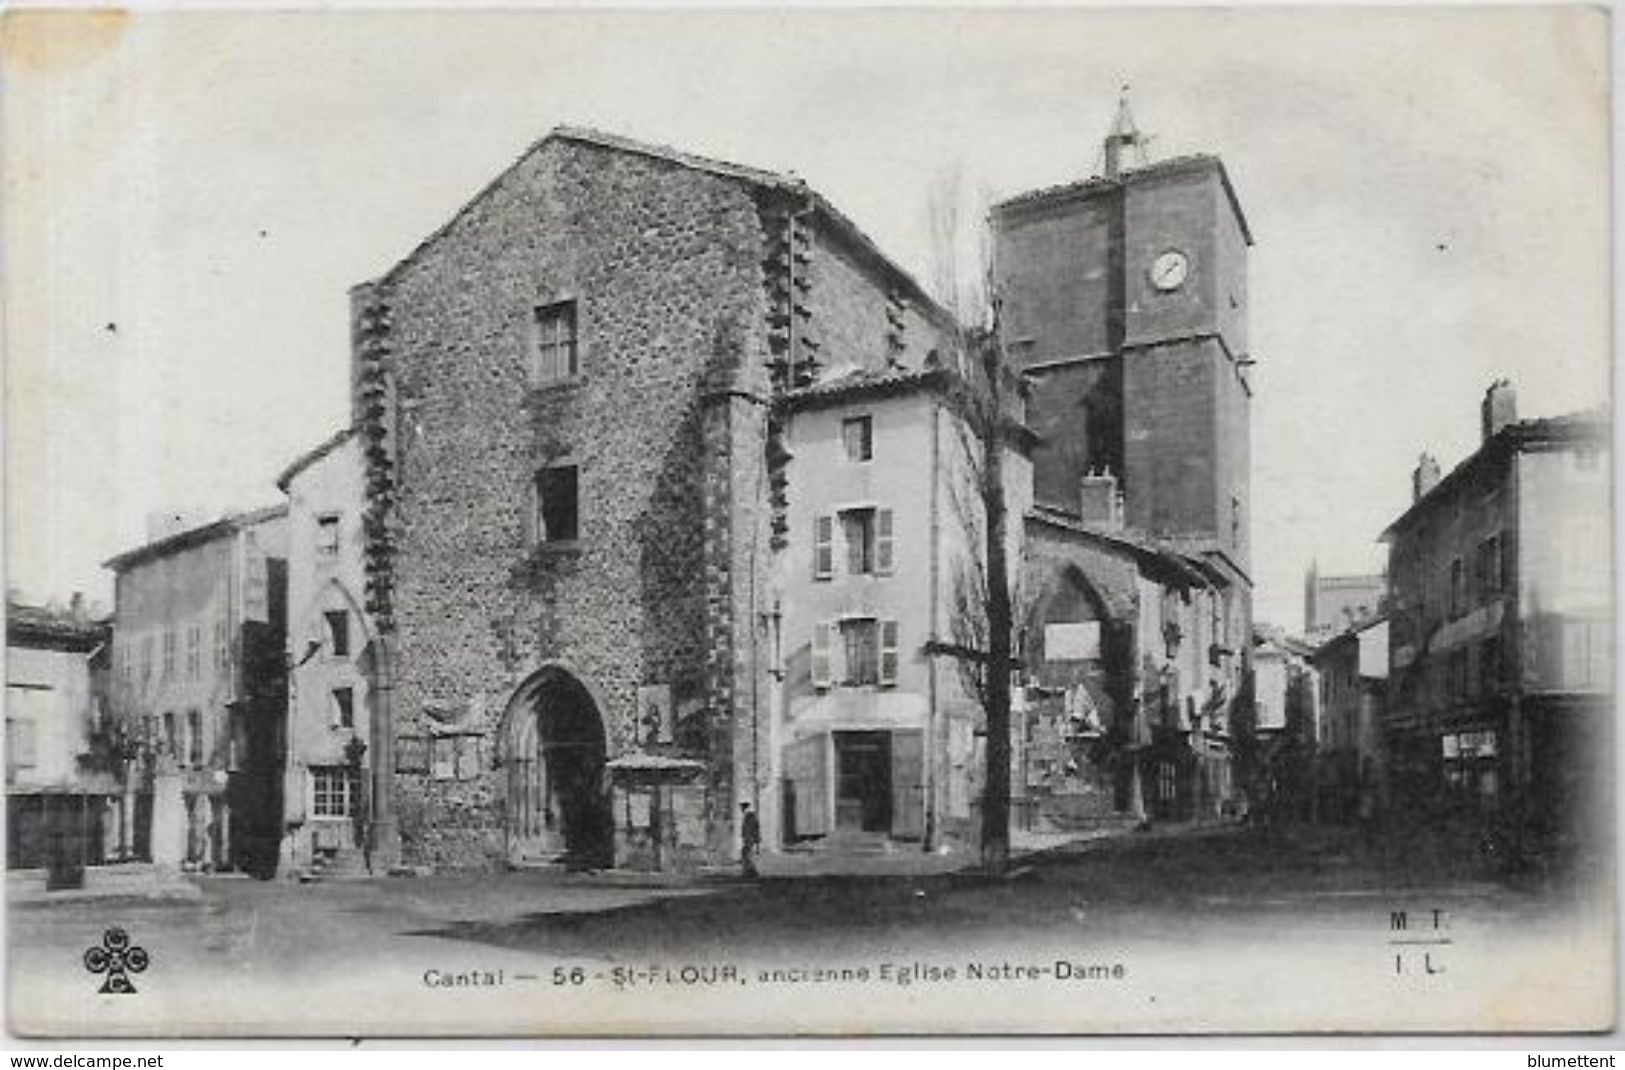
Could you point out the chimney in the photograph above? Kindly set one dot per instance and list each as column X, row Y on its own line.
column 1425, row 477
column 1100, row 502
column 76, row 606
column 1500, row 407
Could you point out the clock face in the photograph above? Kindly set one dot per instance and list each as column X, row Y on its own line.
column 1169, row 269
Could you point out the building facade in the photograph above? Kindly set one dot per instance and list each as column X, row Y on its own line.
column 1135, row 706
column 1501, row 665
column 1333, row 604
column 1350, row 764
column 328, row 785
column 1287, row 725
column 56, row 780
column 879, row 736
column 574, row 485
column 199, row 689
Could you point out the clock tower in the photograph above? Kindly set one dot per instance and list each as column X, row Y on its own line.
column 1124, row 302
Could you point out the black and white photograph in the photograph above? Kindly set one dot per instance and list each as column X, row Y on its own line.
column 791, row 522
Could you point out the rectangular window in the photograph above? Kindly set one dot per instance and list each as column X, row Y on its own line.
column 1489, row 666
column 338, row 633
column 822, row 677
column 169, row 735
column 344, row 707
column 858, row 436
column 194, row 652
column 823, row 547
column 169, row 654
column 557, row 516
column 556, row 356
column 1489, row 567
column 860, row 643
column 194, row 739
column 1458, row 588
column 222, row 645
column 888, row 653
column 332, row 791
column 858, row 528
column 146, row 660
column 21, row 747
column 327, row 534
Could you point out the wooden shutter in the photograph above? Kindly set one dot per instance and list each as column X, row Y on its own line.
column 888, row 653
column 908, row 784
column 806, row 767
column 820, row 654
column 823, row 547
column 885, row 554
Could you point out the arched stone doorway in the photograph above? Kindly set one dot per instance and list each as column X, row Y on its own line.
column 554, row 754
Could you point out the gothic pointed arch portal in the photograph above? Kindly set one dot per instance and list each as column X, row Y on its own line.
column 554, row 755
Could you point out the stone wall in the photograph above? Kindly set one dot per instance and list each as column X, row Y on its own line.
column 664, row 263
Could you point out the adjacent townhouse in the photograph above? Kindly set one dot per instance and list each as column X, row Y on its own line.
column 1501, row 628
column 199, row 689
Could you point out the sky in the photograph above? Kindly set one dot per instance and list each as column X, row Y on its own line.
column 189, row 198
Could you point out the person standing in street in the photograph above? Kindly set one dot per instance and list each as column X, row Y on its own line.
column 750, row 840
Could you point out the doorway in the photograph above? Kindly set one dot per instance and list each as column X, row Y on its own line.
column 558, row 792
column 863, row 785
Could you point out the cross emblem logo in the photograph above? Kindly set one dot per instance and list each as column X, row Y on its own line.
column 117, row 959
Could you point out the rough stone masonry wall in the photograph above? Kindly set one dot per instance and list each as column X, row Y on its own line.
column 664, row 262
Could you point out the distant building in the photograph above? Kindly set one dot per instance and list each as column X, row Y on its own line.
column 55, row 668
column 1501, row 665
column 333, row 741
column 199, row 690
column 1287, row 727
column 1332, row 604
column 1353, row 671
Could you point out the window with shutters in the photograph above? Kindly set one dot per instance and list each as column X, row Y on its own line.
column 823, row 548
column 555, row 356
column 870, row 547
column 194, row 651
column 860, row 645
column 822, row 675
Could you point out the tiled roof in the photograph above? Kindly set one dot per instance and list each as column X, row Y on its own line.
column 1186, row 568
column 27, row 625
column 864, row 382
column 193, row 536
column 311, row 456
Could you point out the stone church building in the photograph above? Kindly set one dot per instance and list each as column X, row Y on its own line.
column 584, row 405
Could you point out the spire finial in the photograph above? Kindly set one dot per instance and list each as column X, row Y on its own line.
column 1123, row 134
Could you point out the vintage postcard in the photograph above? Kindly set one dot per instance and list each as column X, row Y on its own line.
column 539, row 523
